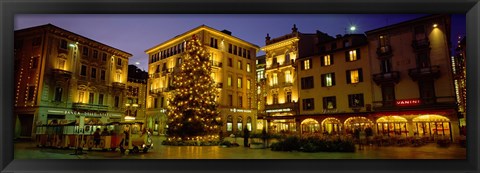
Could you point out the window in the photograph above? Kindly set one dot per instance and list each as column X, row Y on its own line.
column 244, row 53
column 229, row 81
column 427, row 90
column 249, row 103
column 100, row 99
column 230, row 100
column 307, row 82
column 306, row 64
column 239, row 123
column 354, row 76
column 346, row 43
column 58, row 94
column 288, row 76
column 248, row 67
column 355, row 100
column 104, row 57
column 420, row 32
column 289, row 97
column 119, row 61
column 388, row 94
column 94, row 73
column 85, row 51
column 81, row 96
column 308, row 104
column 248, row 54
column 383, row 40
column 328, row 79
column 95, row 54
column 275, row 98
column 249, row 124
column 239, row 64
column 34, row 64
column 352, row 55
column 117, row 101
column 102, row 74
column 239, row 82
column 327, row 60
column 119, row 77
column 249, row 83
column 235, row 50
column 155, row 102
column 63, row 44
column 423, row 60
column 91, row 98
column 229, row 123
column 230, row 63
column 162, row 100
column 61, row 64
column 260, row 75
column 330, row 102
column 83, row 71
column 385, row 65
column 213, row 42
column 275, row 79
column 240, row 101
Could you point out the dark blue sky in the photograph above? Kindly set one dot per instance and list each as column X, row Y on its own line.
column 137, row 33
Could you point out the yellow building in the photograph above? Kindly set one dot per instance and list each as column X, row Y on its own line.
column 136, row 94
column 233, row 62
column 414, row 91
column 281, row 77
column 62, row 76
column 335, row 86
column 261, row 92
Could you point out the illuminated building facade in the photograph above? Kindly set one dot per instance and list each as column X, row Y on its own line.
column 335, row 86
column 282, row 82
column 414, row 91
column 233, row 62
column 261, row 92
column 61, row 76
column 136, row 94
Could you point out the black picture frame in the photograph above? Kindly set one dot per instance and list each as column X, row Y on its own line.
column 8, row 9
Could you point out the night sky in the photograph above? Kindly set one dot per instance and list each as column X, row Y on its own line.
column 137, row 33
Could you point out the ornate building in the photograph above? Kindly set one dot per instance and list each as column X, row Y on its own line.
column 233, row 62
column 62, row 77
column 136, row 94
column 261, row 92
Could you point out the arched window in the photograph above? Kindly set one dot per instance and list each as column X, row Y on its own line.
column 249, row 123
column 239, row 123
column 229, row 123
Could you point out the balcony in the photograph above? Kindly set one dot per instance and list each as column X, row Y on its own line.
column 278, row 65
column 388, row 77
column 154, row 75
column 217, row 64
column 118, row 85
column 425, row 72
column 61, row 73
column 421, row 44
column 165, row 71
column 284, row 107
column 384, row 51
column 91, row 107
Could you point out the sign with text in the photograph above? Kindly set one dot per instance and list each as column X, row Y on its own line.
column 407, row 102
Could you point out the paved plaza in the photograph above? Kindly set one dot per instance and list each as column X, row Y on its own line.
column 28, row 150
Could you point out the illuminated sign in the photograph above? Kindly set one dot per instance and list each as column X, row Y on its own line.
column 408, row 102
column 278, row 110
column 240, row 110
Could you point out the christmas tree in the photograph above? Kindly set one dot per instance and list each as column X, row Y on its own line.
column 192, row 111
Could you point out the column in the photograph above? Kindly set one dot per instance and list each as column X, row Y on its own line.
column 410, row 127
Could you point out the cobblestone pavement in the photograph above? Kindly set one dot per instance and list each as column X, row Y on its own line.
column 28, row 150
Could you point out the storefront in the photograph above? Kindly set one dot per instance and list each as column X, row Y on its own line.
column 331, row 126
column 392, row 126
column 353, row 123
column 432, row 126
column 310, row 125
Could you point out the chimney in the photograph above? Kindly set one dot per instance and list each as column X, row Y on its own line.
column 226, row 32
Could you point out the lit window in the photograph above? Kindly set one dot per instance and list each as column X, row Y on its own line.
column 328, row 79
column 275, row 79
column 61, row 64
column 239, row 65
column 327, row 60
column 119, row 77
column 354, row 76
column 80, row 96
column 352, row 55
column 229, row 81
column 288, row 76
column 248, row 84
column 248, row 67
column 259, row 90
column 306, row 64
column 239, row 82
